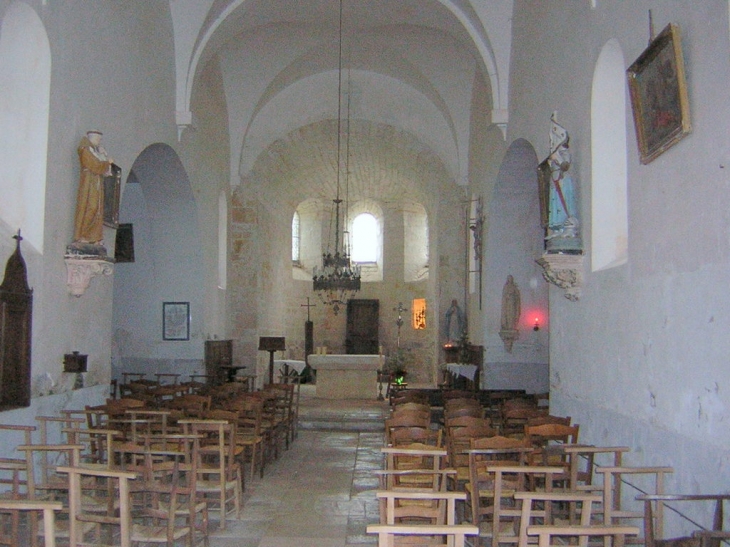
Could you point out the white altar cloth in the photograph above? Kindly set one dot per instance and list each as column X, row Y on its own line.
column 461, row 369
column 347, row 376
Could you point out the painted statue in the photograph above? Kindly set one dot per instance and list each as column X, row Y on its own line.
column 563, row 229
column 455, row 324
column 89, row 219
column 511, row 311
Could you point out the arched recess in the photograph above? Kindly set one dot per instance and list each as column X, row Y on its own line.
column 513, row 241
column 25, row 74
column 159, row 203
column 609, row 215
column 415, row 242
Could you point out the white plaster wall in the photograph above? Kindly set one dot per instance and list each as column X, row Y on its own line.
column 106, row 81
column 641, row 359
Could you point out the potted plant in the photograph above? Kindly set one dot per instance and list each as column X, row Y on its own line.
column 397, row 364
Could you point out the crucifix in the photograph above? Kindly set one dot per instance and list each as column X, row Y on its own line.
column 308, row 332
column 399, row 322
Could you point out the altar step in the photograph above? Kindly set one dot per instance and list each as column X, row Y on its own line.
column 359, row 415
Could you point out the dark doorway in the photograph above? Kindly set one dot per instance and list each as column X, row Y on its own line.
column 362, row 327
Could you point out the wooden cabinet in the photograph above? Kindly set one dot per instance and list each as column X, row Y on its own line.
column 16, row 316
column 218, row 358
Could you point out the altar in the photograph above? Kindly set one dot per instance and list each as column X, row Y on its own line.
column 347, row 376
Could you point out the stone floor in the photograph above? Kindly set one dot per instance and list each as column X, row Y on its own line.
column 321, row 492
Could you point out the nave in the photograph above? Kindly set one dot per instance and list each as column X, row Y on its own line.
column 320, row 492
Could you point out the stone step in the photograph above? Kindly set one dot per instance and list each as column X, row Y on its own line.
column 340, row 425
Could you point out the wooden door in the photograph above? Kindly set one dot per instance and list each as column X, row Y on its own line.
column 362, row 327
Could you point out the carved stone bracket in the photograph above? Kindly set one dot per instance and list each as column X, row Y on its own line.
column 81, row 270
column 564, row 271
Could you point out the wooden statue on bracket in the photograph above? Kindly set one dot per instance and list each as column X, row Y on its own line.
column 16, row 317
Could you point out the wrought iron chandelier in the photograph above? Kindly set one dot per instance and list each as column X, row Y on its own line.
column 338, row 280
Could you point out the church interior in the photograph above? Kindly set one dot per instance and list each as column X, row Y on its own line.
column 245, row 138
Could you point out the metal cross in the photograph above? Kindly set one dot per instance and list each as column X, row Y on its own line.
column 308, row 305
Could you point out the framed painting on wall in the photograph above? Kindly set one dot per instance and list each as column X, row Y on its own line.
column 112, row 193
column 176, row 320
column 658, row 90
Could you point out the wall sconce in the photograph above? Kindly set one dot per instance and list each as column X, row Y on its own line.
column 536, row 326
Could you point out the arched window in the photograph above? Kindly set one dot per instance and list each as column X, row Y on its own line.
column 295, row 238
column 306, row 239
column 364, row 238
column 25, row 66
column 609, row 217
column 365, row 226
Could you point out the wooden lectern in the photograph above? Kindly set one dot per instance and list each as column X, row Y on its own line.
column 271, row 344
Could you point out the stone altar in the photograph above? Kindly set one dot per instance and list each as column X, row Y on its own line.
column 347, row 376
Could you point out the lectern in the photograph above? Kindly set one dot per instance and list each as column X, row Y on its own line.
column 271, row 344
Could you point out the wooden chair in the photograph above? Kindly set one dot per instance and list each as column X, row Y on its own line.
column 219, row 475
column 709, row 536
column 582, row 460
column 428, row 534
column 514, row 420
column 549, row 441
column 408, row 435
column 405, row 419
column 284, row 404
column 81, row 522
column 15, row 507
column 614, row 509
column 547, row 507
column 458, row 442
column 484, row 453
column 545, row 534
column 14, row 477
column 548, row 419
column 414, row 466
column 498, row 486
column 249, row 433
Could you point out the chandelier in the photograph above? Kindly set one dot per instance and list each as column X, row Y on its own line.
column 338, row 280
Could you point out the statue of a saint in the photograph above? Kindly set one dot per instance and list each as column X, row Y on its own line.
column 89, row 219
column 455, row 324
column 511, row 310
column 563, row 226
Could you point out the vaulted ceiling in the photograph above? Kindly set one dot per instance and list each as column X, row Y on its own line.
column 426, row 68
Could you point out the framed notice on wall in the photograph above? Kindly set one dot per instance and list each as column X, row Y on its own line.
column 176, row 320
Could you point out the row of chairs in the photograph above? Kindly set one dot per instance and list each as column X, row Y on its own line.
column 533, row 485
column 173, row 462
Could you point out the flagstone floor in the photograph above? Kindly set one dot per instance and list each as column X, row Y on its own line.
column 321, row 492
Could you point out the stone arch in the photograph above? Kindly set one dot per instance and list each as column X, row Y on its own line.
column 159, row 203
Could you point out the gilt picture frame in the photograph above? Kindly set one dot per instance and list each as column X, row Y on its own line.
column 176, row 320
column 658, row 89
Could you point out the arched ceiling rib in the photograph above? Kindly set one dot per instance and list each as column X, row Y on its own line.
column 400, row 79
column 217, row 20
